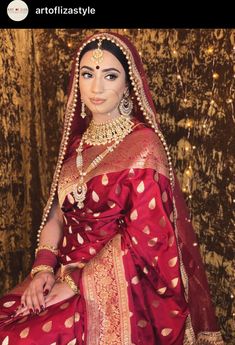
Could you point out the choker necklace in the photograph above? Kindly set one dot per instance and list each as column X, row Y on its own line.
column 99, row 134
column 106, row 132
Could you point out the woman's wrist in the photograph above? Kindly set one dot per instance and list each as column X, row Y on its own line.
column 45, row 260
column 51, row 249
column 41, row 268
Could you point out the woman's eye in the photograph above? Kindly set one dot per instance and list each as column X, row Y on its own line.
column 86, row 75
column 111, row 76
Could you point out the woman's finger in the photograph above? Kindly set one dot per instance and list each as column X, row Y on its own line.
column 19, row 311
column 29, row 302
column 48, row 286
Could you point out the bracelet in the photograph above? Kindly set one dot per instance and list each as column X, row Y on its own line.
column 41, row 268
column 67, row 279
column 46, row 247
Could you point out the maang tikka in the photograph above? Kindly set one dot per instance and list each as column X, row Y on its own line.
column 97, row 55
column 126, row 105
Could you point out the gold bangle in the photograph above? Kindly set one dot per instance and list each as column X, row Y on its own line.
column 46, row 247
column 41, row 268
column 67, row 279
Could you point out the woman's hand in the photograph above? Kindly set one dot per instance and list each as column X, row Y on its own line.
column 33, row 298
column 59, row 292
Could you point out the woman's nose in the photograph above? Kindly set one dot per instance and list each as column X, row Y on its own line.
column 97, row 85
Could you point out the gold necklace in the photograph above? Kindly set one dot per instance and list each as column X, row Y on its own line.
column 106, row 132
column 117, row 135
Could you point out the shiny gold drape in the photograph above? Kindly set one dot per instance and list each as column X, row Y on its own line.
column 191, row 74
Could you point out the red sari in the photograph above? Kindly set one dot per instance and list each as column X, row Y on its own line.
column 141, row 262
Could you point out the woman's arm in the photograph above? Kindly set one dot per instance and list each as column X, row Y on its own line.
column 52, row 232
column 33, row 298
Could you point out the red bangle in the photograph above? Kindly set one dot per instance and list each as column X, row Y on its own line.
column 45, row 257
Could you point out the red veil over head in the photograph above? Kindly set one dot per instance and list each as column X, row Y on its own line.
column 201, row 326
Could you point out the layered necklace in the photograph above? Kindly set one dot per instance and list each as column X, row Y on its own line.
column 110, row 132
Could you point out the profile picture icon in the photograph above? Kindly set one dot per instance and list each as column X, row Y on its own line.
column 17, row 10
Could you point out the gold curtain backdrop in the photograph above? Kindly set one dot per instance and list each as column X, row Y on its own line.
column 192, row 77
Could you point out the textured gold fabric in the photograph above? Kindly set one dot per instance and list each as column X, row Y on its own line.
column 34, row 70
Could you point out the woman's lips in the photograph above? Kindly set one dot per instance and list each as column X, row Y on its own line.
column 97, row 100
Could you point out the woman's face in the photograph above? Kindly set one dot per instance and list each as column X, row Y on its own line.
column 102, row 88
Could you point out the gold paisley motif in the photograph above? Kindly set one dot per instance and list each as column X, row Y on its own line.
column 155, row 260
column 95, row 196
column 166, row 331
column 88, row 228
column 135, row 280
column 174, row 282
column 69, row 322
column 146, row 230
column 140, row 187
column 24, row 333
column 111, row 204
column 5, row 341
column 8, row 304
column 134, row 240
column 64, row 305
column 105, row 180
column 162, row 290
column 174, row 313
column 162, row 222
column 145, row 270
column 134, row 215
column 171, row 241
column 152, row 242
column 164, row 196
column 64, row 244
column 72, row 342
column 76, row 317
column 172, row 262
column 131, row 173
column 80, row 239
column 142, row 323
column 152, row 204
column 92, row 251
column 47, row 327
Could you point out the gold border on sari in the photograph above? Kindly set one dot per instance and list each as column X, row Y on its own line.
column 105, row 294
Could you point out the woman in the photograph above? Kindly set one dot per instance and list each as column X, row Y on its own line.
column 117, row 261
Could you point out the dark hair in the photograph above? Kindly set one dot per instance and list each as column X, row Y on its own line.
column 113, row 49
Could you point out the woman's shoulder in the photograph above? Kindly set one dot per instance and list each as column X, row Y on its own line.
column 144, row 134
column 145, row 142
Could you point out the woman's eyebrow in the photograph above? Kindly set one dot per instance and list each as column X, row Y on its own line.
column 103, row 70
column 110, row 69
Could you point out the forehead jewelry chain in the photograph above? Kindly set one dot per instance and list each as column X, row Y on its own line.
column 80, row 190
column 98, row 54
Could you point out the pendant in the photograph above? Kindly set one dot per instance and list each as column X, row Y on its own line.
column 79, row 193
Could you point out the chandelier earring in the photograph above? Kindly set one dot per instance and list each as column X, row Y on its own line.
column 126, row 105
column 83, row 112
